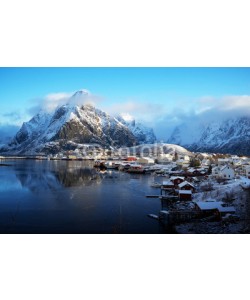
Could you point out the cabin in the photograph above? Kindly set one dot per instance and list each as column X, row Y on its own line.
column 196, row 172
column 223, row 161
column 138, row 169
column 216, row 208
column 168, row 185
column 185, row 185
column 145, row 161
column 177, row 180
column 131, row 158
column 185, row 195
column 72, row 157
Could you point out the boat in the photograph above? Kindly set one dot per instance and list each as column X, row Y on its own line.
column 137, row 169
column 124, row 167
column 111, row 165
column 156, row 185
column 153, row 216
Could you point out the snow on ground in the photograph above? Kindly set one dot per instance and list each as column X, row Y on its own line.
column 233, row 188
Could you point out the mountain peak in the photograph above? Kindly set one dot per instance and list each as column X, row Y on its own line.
column 78, row 122
column 81, row 93
column 127, row 117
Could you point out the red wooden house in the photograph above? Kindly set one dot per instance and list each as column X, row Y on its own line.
column 185, row 195
column 177, row 180
column 187, row 186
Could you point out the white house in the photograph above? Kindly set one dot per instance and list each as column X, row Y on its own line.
column 246, row 169
column 224, row 172
column 206, row 162
column 222, row 161
column 215, row 171
column 145, row 161
column 227, row 172
column 164, row 158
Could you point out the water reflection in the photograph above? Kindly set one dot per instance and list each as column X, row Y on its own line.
column 78, row 177
column 53, row 176
column 74, row 197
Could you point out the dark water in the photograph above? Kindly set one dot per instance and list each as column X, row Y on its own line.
column 72, row 197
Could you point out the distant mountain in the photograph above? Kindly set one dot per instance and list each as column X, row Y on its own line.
column 227, row 136
column 73, row 124
column 6, row 133
column 143, row 134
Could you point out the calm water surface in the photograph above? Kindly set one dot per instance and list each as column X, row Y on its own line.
column 72, row 197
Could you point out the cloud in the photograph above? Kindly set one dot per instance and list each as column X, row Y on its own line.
column 203, row 111
column 162, row 117
column 146, row 112
column 51, row 101
column 13, row 116
column 7, row 132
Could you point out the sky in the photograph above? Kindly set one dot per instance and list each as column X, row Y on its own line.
column 161, row 97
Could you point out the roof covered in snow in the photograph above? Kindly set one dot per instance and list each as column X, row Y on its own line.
column 209, row 205
column 180, row 185
column 167, row 183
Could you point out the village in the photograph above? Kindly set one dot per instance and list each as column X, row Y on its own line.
column 211, row 190
column 192, row 188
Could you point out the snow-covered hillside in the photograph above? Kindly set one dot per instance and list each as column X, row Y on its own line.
column 157, row 149
column 143, row 134
column 73, row 122
column 226, row 136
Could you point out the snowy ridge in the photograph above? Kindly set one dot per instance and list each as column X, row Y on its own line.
column 226, row 136
column 143, row 133
column 75, row 124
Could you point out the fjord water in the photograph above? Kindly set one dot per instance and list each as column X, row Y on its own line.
column 73, row 197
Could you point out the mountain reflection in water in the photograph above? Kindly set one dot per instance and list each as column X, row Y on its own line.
column 74, row 197
column 55, row 178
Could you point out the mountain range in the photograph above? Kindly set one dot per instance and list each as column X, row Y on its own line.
column 72, row 124
column 230, row 135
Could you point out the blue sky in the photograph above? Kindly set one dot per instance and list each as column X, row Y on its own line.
column 162, row 97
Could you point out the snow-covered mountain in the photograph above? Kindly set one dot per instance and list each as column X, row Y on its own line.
column 143, row 134
column 226, row 136
column 51, row 132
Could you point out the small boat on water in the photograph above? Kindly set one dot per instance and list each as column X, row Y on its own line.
column 111, row 165
column 137, row 169
column 153, row 216
column 156, row 185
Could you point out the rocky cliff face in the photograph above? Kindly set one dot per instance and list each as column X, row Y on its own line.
column 228, row 136
column 75, row 124
column 143, row 134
